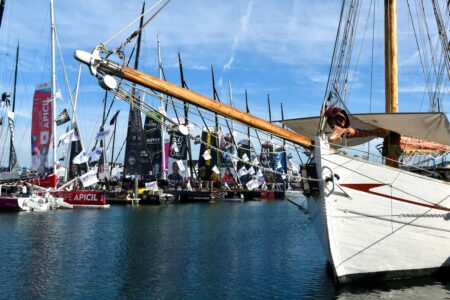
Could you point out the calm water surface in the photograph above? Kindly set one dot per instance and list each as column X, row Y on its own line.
column 198, row 251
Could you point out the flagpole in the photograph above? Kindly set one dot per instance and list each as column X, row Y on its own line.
column 75, row 119
column 53, row 99
column 163, row 148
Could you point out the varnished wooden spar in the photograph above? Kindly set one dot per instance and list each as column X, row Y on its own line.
column 207, row 103
column 95, row 62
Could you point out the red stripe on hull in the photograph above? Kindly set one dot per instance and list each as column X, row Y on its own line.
column 366, row 188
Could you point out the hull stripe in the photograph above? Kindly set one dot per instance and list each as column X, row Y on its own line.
column 366, row 188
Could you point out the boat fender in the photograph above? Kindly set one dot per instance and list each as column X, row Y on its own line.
column 327, row 179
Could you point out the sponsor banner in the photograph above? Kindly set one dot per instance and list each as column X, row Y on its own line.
column 151, row 186
column 137, row 158
column 41, row 127
column 152, row 131
column 89, row 178
column 81, row 197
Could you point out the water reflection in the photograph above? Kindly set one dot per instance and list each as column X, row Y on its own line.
column 226, row 250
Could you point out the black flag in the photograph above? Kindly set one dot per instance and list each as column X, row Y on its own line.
column 62, row 118
column 114, row 118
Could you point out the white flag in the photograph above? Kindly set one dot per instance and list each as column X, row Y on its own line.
column 259, row 174
column 188, row 186
column 242, row 172
column 251, row 171
column 216, row 170
column 102, row 134
column 175, row 147
column 95, row 154
column 245, row 157
column 58, row 94
column 68, row 137
column 226, row 185
column 206, row 155
column 80, row 158
column 181, row 165
column 11, row 115
column 283, row 176
column 255, row 162
column 279, row 165
column 253, row 184
column 89, row 178
column 151, row 186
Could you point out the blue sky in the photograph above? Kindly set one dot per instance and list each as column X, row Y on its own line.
column 282, row 48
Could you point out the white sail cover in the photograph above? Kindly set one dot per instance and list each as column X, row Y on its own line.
column 427, row 126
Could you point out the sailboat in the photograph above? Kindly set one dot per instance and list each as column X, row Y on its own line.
column 373, row 220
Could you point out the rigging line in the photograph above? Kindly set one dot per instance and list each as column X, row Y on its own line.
column 134, row 21
column 145, row 105
column 196, row 109
column 160, row 97
column 327, row 89
column 371, row 66
column 127, row 99
column 418, row 47
column 347, row 96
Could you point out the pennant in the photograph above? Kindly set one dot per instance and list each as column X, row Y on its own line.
column 89, row 178
column 175, row 147
column 206, row 155
column 62, row 118
column 95, row 154
column 255, row 162
column 181, row 165
column 11, row 116
column 68, row 137
column 251, row 171
column 253, row 184
column 80, row 158
column 114, row 118
column 216, row 170
column 58, row 95
column 102, row 134
column 279, row 165
column 151, row 186
column 245, row 157
column 259, row 174
column 242, row 172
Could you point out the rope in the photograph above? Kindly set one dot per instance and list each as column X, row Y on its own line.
column 134, row 34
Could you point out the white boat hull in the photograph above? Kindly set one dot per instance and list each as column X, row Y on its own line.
column 377, row 220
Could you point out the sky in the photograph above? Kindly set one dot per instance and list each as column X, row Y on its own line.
column 281, row 48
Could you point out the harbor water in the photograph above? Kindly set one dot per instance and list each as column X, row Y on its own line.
column 250, row 250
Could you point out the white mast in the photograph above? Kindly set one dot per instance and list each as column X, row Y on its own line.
column 161, row 104
column 53, row 99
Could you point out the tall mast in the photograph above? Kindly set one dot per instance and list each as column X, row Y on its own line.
column 12, row 151
column 247, row 111
column 392, row 141
column 53, row 99
column 270, row 112
column 186, row 115
column 161, row 104
column 2, row 7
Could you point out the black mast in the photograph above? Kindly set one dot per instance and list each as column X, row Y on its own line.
column 2, row 7
column 12, row 150
column 137, row 157
column 186, row 114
